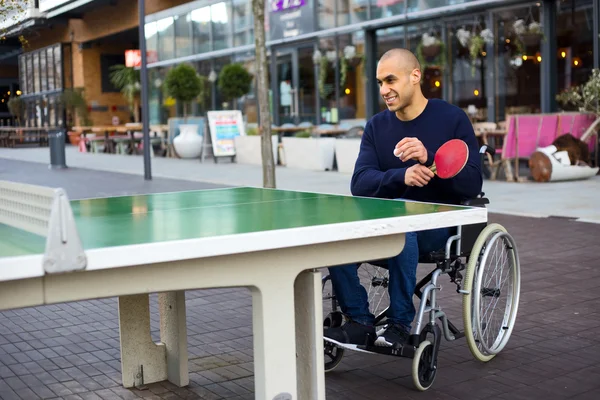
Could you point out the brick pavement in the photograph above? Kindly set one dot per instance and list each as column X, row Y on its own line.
column 71, row 351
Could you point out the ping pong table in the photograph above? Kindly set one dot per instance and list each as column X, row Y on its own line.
column 55, row 250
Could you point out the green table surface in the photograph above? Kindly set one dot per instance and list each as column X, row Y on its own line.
column 152, row 218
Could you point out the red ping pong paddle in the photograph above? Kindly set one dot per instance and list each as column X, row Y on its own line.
column 450, row 159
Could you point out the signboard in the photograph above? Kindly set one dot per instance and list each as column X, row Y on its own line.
column 290, row 18
column 133, row 58
column 224, row 127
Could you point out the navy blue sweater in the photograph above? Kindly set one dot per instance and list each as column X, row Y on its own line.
column 379, row 173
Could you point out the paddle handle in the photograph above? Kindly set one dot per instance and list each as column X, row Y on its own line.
column 433, row 168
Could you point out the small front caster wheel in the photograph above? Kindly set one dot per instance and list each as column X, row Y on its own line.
column 423, row 369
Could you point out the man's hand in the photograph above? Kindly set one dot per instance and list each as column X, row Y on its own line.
column 418, row 175
column 411, row 148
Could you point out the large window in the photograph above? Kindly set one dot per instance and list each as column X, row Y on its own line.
column 220, row 14
column 40, row 71
column 518, row 62
column 242, row 23
column 40, row 84
column 425, row 41
column 183, row 35
column 574, row 30
column 166, row 38
column 201, row 27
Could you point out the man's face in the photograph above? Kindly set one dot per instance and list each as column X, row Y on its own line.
column 396, row 83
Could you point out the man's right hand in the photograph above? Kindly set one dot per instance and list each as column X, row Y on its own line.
column 418, row 175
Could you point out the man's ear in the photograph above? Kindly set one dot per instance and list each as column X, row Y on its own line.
column 415, row 76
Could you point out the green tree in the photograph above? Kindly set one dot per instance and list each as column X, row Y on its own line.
column 127, row 80
column 234, row 82
column 184, row 85
column 262, row 90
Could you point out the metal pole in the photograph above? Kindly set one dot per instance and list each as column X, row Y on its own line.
column 596, row 35
column 144, row 87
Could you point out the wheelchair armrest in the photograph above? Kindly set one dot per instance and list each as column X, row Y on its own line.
column 479, row 201
column 487, row 149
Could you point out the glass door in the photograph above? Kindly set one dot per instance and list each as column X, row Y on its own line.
column 295, row 85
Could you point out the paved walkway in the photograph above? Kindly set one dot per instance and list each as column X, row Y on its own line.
column 577, row 199
column 71, row 351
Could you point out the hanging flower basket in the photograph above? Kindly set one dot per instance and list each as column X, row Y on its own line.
column 431, row 52
column 530, row 35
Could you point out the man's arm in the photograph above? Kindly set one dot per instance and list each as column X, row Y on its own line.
column 468, row 183
column 368, row 180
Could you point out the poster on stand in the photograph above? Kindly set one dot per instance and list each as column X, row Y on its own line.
column 224, row 127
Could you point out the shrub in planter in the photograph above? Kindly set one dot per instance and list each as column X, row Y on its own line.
column 234, row 82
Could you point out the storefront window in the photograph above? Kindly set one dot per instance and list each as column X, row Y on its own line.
column 426, row 43
column 158, row 103
column 468, row 65
column 201, row 26
column 221, row 19
column 242, row 23
column 150, row 31
column 352, row 86
column 166, row 42
column 574, row 43
column 183, row 35
column 518, row 61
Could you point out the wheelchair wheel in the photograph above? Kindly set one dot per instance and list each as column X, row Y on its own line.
column 492, row 285
column 423, row 373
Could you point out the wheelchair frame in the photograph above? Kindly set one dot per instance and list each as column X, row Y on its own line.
column 423, row 351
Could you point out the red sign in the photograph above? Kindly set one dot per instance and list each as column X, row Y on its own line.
column 133, row 58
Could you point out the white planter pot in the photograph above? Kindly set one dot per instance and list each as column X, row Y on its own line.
column 188, row 144
column 314, row 154
column 346, row 153
column 248, row 149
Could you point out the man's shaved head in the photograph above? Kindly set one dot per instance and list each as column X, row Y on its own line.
column 405, row 59
column 399, row 78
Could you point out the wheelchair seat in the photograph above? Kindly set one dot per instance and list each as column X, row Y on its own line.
column 468, row 236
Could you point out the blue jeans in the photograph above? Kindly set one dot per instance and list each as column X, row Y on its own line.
column 352, row 296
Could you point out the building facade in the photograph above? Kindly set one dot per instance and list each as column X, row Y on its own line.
column 500, row 56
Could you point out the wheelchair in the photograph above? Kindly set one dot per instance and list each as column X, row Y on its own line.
column 471, row 254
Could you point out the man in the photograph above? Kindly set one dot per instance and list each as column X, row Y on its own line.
column 397, row 147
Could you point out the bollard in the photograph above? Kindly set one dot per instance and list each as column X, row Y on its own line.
column 56, row 142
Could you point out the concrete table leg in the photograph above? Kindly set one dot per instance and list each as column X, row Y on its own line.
column 274, row 340
column 173, row 333
column 310, row 359
column 142, row 360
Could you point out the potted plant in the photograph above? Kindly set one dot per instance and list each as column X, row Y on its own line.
column 15, row 108
column 183, row 84
column 584, row 98
column 234, row 82
column 530, row 35
column 431, row 51
column 73, row 101
column 475, row 42
column 127, row 80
